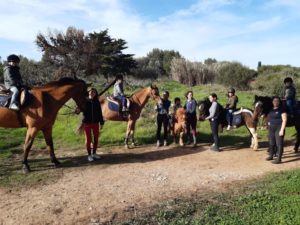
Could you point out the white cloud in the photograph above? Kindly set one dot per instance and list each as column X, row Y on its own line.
column 205, row 29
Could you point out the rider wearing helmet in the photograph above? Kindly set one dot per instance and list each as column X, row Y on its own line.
column 289, row 95
column 13, row 80
column 230, row 106
column 119, row 92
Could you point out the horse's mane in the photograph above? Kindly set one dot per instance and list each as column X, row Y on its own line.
column 62, row 81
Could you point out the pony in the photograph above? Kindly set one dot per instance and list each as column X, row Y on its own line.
column 263, row 105
column 178, row 125
column 243, row 116
column 40, row 113
column 137, row 102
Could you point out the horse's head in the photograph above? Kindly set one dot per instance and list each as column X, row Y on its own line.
column 180, row 119
column 154, row 93
column 262, row 105
column 204, row 106
column 80, row 94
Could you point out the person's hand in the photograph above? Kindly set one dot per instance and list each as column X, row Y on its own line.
column 281, row 133
column 77, row 110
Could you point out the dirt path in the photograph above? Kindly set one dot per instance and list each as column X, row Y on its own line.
column 132, row 180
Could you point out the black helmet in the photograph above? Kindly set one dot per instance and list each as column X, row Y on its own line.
column 288, row 79
column 13, row 58
column 119, row 77
column 231, row 90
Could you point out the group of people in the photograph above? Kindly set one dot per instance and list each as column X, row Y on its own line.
column 165, row 118
column 93, row 119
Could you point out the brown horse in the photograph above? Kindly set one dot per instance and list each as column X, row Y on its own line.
column 41, row 112
column 137, row 102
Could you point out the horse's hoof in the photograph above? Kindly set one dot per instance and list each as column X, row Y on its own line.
column 133, row 144
column 126, row 147
column 26, row 169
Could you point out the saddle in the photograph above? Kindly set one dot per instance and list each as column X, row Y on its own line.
column 5, row 96
column 115, row 105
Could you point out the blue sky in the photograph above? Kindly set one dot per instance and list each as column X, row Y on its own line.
column 247, row 31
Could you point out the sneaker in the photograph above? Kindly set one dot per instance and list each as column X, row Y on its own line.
column 95, row 156
column 14, row 107
column 158, row 143
column 165, row 143
column 228, row 127
column 90, row 158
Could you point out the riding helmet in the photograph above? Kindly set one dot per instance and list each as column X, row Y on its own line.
column 231, row 90
column 13, row 58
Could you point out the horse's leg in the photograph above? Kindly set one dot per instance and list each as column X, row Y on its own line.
column 47, row 132
column 30, row 135
column 181, row 143
column 254, row 137
column 128, row 132
column 132, row 133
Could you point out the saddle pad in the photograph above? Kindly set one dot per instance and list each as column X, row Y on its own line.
column 237, row 120
column 4, row 100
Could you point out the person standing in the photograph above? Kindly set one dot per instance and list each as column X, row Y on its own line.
column 277, row 123
column 92, row 123
column 13, row 80
column 191, row 117
column 230, row 106
column 213, row 117
column 162, row 109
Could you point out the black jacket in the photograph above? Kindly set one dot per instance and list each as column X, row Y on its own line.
column 93, row 112
column 12, row 76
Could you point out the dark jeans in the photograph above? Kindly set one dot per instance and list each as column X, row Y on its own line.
column 275, row 140
column 290, row 104
column 191, row 122
column 214, row 125
column 229, row 116
column 162, row 119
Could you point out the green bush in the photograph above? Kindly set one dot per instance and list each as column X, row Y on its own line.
column 235, row 75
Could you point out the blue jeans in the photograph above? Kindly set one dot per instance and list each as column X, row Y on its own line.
column 229, row 116
column 290, row 103
column 15, row 94
column 122, row 99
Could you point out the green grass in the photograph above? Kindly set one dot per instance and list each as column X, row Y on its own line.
column 272, row 200
column 113, row 133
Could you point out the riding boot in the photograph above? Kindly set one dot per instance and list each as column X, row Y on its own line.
column 194, row 140
column 188, row 139
column 279, row 155
column 271, row 153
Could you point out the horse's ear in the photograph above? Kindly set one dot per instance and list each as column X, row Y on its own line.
column 255, row 97
column 153, row 86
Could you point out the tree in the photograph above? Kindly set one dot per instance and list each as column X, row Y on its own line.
column 210, row 61
column 75, row 53
column 1, row 71
column 160, row 60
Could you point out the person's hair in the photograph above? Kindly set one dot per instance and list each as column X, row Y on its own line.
column 166, row 93
column 214, row 95
column 176, row 99
column 186, row 94
column 276, row 97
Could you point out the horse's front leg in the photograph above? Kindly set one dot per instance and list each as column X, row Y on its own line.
column 254, row 138
column 47, row 132
column 132, row 129
column 128, row 132
column 30, row 135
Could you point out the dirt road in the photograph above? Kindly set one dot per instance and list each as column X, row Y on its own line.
column 133, row 179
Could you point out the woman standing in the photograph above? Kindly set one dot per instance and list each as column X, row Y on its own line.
column 277, row 123
column 213, row 117
column 162, row 109
column 191, row 118
column 92, row 122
